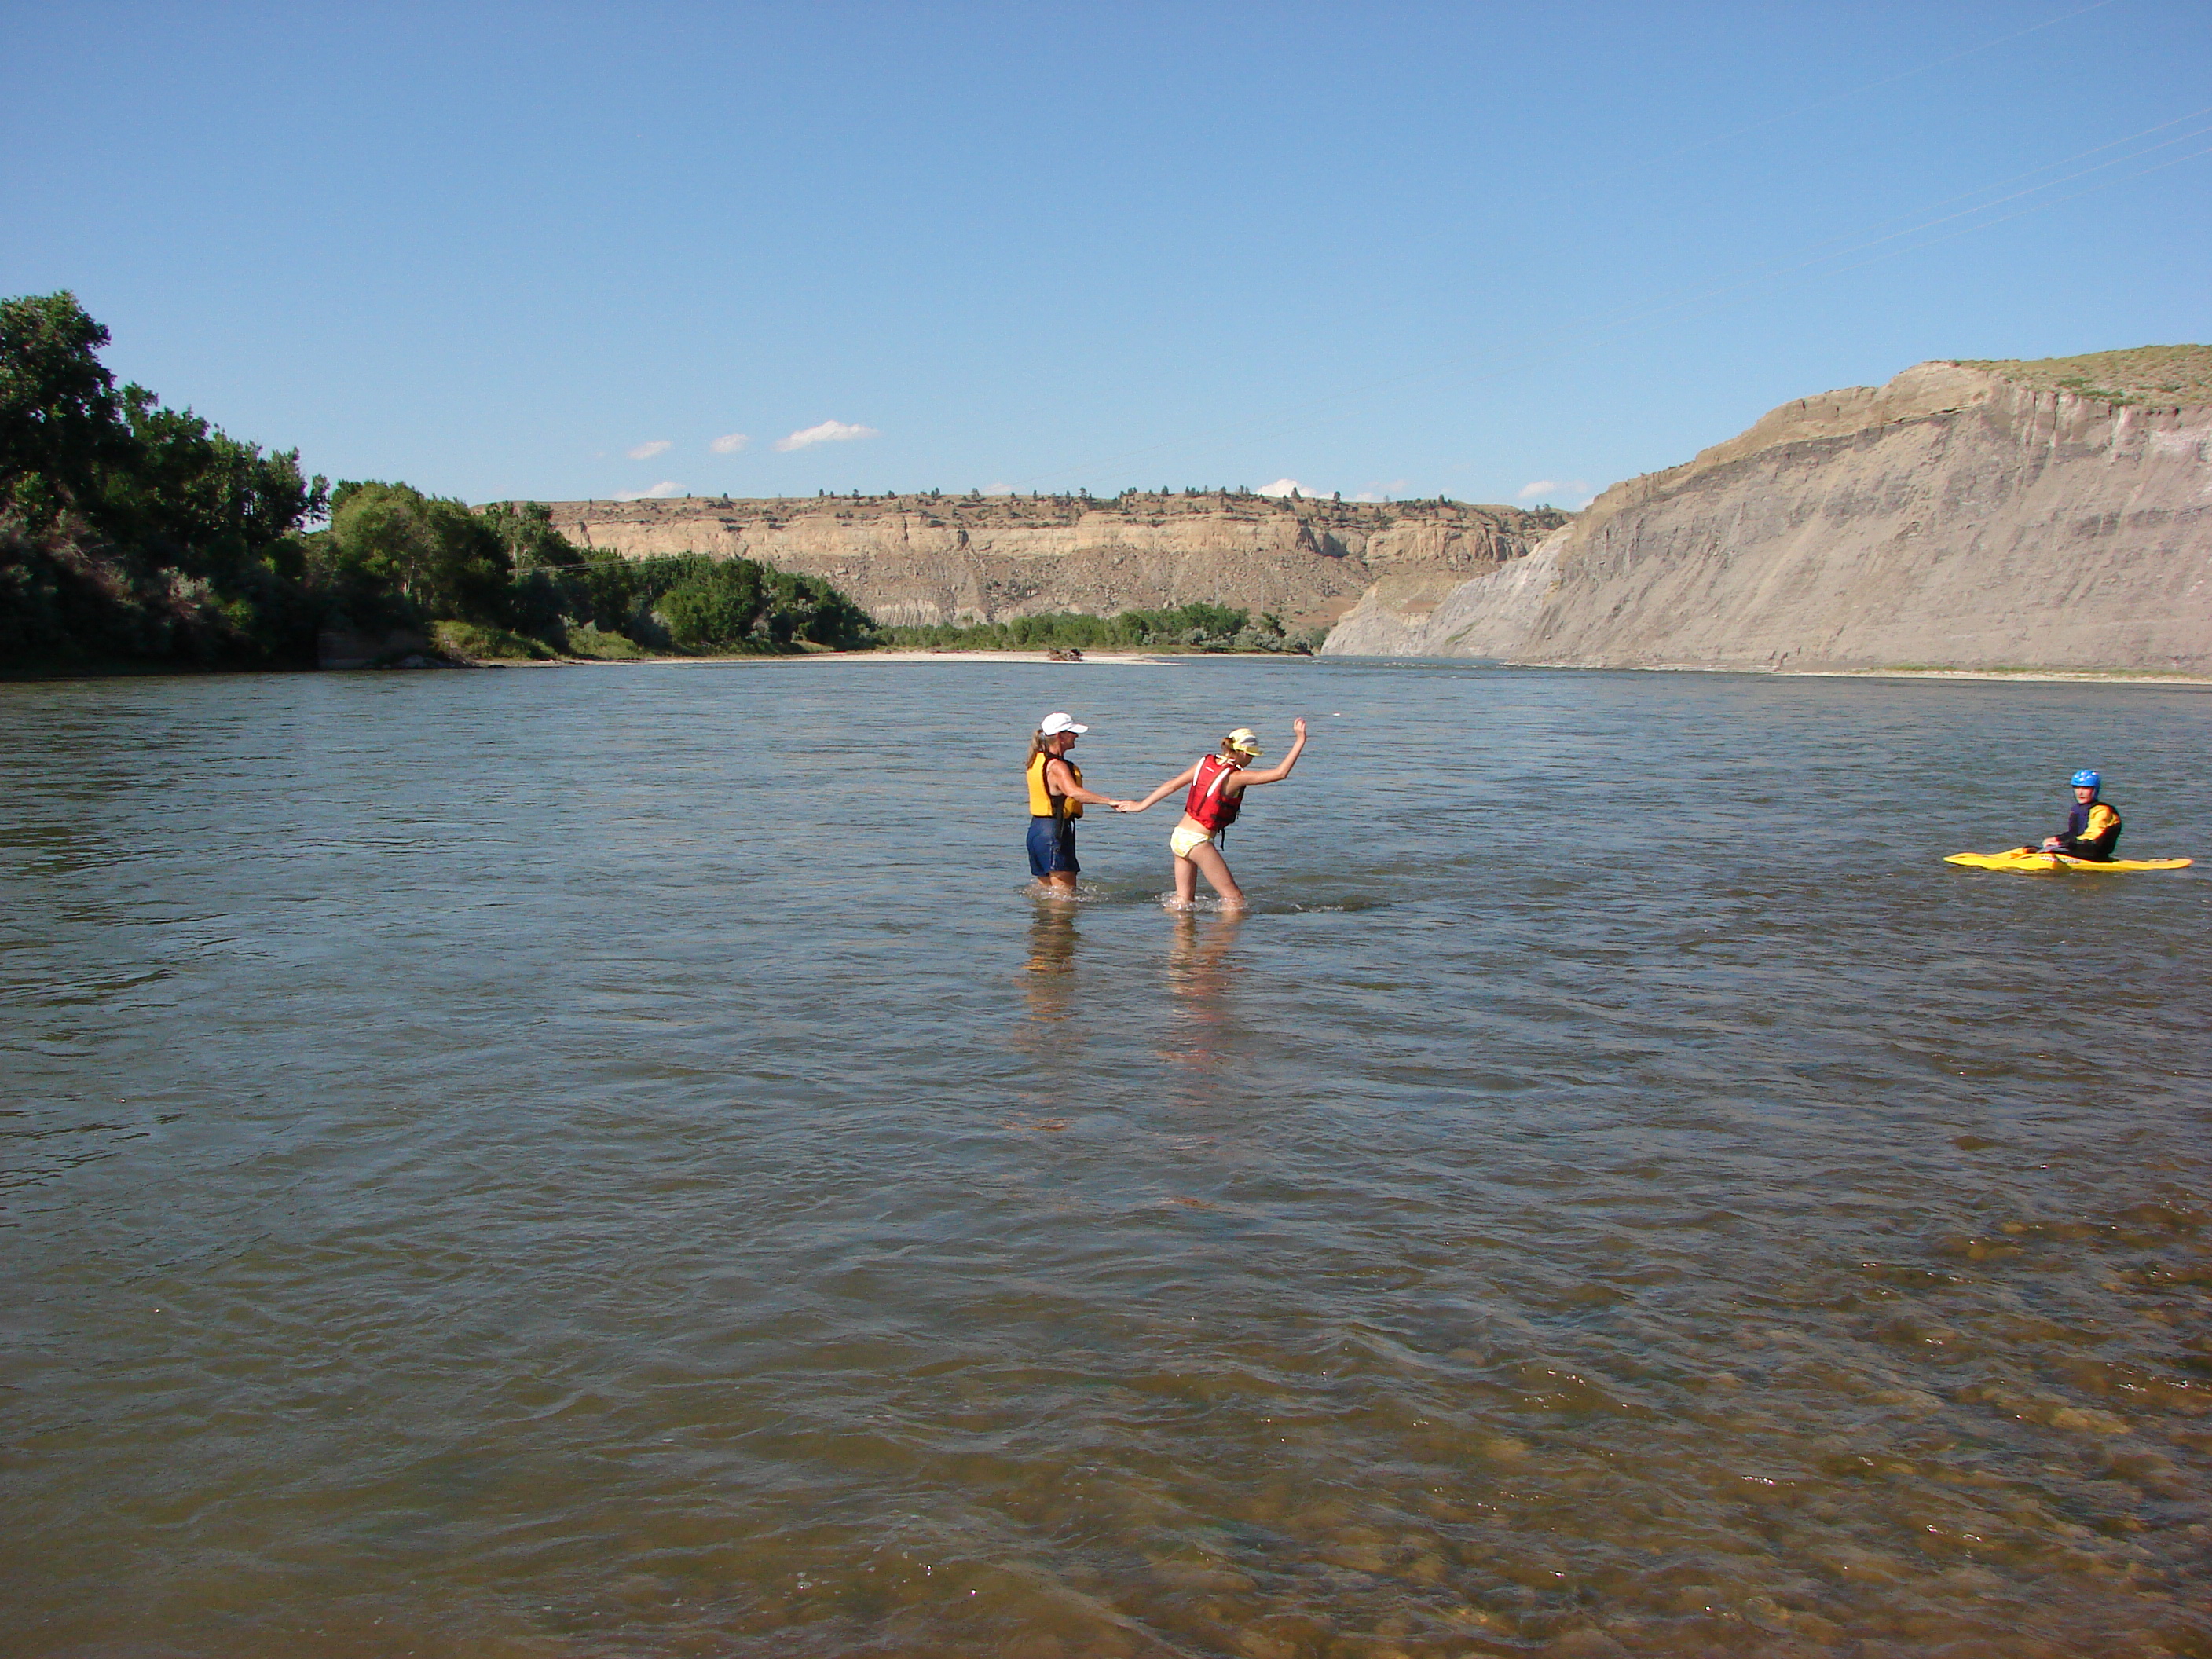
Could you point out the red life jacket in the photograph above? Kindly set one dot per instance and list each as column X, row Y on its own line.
column 1210, row 801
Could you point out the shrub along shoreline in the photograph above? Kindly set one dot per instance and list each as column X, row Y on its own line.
column 1201, row 628
column 136, row 538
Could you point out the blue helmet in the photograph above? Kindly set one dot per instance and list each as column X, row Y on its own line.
column 2087, row 780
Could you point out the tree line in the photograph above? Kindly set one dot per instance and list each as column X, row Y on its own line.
column 134, row 533
column 1199, row 627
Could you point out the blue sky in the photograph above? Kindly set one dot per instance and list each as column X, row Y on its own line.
column 505, row 251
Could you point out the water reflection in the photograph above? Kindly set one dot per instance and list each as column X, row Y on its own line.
column 1202, row 974
column 1049, row 989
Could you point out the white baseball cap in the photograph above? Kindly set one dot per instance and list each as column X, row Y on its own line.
column 1052, row 725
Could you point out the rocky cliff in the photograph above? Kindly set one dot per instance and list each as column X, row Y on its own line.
column 2048, row 514
column 914, row 560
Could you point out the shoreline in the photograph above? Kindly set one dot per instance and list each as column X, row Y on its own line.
column 2032, row 676
column 1145, row 659
column 1131, row 657
column 1987, row 676
column 1123, row 659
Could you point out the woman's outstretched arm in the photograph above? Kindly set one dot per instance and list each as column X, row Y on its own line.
column 1069, row 786
column 1180, row 780
column 1246, row 777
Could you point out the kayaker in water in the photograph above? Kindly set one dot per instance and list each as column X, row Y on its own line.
column 1217, row 784
column 1056, row 801
column 2093, row 829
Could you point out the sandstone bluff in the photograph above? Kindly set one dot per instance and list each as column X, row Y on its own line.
column 921, row 560
column 1969, row 516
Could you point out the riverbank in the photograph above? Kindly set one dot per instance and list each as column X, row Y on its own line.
column 427, row 662
column 1124, row 658
column 1140, row 658
column 2008, row 676
column 2030, row 675
column 1104, row 658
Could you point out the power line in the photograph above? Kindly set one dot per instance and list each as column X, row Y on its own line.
column 1588, row 182
column 1269, row 425
column 1854, row 92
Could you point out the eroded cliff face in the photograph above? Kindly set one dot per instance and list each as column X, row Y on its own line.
column 915, row 560
column 1958, row 517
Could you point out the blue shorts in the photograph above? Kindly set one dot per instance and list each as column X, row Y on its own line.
column 1051, row 847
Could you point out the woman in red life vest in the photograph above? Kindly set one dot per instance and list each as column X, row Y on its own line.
column 1216, row 784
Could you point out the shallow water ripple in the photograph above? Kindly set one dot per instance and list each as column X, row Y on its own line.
column 611, row 1162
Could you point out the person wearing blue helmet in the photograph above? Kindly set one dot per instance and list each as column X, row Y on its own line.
column 2093, row 829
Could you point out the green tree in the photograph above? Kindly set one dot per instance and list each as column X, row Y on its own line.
column 435, row 558
column 526, row 529
column 61, row 421
column 1204, row 622
column 718, row 609
column 130, row 529
column 202, row 501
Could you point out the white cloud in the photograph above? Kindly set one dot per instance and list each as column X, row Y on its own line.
column 729, row 443
column 646, row 452
column 660, row 491
column 998, row 489
column 1529, row 492
column 829, row 432
column 1381, row 490
column 1285, row 486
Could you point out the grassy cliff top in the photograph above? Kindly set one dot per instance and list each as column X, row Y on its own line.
column 2143, row 375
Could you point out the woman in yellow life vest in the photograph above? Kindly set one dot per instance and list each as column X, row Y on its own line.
column 1056, row 799
column 1217, row 784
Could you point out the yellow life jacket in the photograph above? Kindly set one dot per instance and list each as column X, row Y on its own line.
column 1044, row 804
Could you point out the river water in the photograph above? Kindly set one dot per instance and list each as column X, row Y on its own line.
column 611, row 1162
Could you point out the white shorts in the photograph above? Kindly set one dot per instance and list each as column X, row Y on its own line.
column 1183, row 840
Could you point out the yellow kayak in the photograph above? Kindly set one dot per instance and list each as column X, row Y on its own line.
column 2027, row 863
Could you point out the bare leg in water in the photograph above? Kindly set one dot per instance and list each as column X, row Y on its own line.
column 1207, row 857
